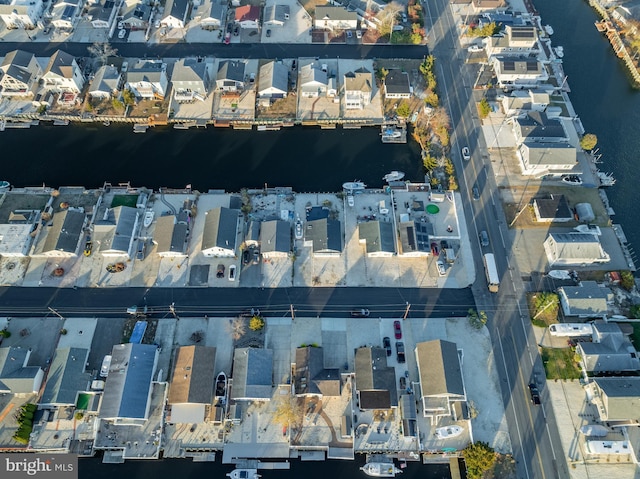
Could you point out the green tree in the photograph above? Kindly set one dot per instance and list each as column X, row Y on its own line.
column 484, row 108
column 117, row 104
column 626, row 280
column 256, row 323
column 486, row 30
column 429, row 162
column 477, row 319
column 449, row 169
column 382, row 73
column 403, row 109
column 128, row 97
column 479, row 458
column 432, row 100
column 5, row 333
column 588, row 142
column 42, row 109
column 634, row 311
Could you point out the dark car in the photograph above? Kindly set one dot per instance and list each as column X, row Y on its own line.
column 386, row 343
column 434, row 249
column 535, row 394
column 403, row 383
column 268, row 33
column 476, row 192
column 220, row 273
column 236, row 31
column 246, row 257
column 397, row 329
column 400, row 351
column 360, row 313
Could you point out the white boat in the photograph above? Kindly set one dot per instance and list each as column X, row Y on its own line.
column 298, row 230
column 559, row 274
column 350, row 200
column 244, row 474
column 221, row 385
column 606, row 179
column 354, row 185
column 559, row 52
column 393, row 176
column 391, row 133
column 148, row 219
column 448, row 432
column 548, row 29
column 380, row 469
column 4, row 185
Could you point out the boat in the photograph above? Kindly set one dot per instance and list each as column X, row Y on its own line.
column 298, row 230
column 350, row 200
column 391, row 133
column 354, row 185
column 606, row 179
column 221, row 385
column 559, row 52
column 448, row 432
column 244, row 474
column 148, row 219
column 4, row 185
column 380, row 469
column 393, row 176
column 548, row 29
column 559, row 274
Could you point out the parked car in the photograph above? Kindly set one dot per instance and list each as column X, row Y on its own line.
column 434, row 249
column 358, row 34
column 484, row 238
column 397, row 330
column 535, row 394
column 466, row 153
column 232, row 272
column 349, row 34
column 474, row 49
column 227, row 38
column 157, row 23
column 268, row 33
column 441, row 269
column 122, row 33
column 400, row 352
column 386, row 343
column 360, row 313
column 236, row 31
column 475, row 192
column 220, row 273
column 403, row 383
column 404, row 17
column 120, row 25
column 246, row 257
column 256, row 256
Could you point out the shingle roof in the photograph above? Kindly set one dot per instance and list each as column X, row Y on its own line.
column 273, row 75
column 252, row 373
column 247, row 13
column 378, row 236
column 16, row 65
column 621, row 397
column 439, row 367
column 193, row 375
column 331, row 12
column 325, row 235
column 538, row 125
column 65, row 232
column 375, row 380
column 311, row 377
column 147, row 71
column 397, row 81
column 359, row 80
column 189, row 69
column 275, row 236
column 231, row 70
column 587, row 299
column 66, row 376
column 576, row 246
column 61, row 64
column 220, row 228
column 107, row 79
column 549, row 153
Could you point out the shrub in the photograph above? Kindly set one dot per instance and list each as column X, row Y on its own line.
column 626, row 280
column 479, row 458
column 256, row 323
column 588, row 142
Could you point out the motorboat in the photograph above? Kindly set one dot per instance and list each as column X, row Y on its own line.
column 390, row 133
column 4, row 185
column 148, row 218
column 393, row 176
column 548, row 29
column 380, row 469
column 572, row 180
column 221, row 386
column 354, row 185
column 244, row 474
column 350, row 200
column 298, row 228
column 448, row 432
column 559, row 52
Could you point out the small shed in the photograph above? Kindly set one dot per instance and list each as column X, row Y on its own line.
column 585, row 214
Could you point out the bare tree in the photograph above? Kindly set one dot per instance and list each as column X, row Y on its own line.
column 288, row 412
column 387, row 17
column 236, row 328
column 102, row 51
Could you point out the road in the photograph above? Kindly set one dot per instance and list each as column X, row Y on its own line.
column 336, row 302
column 533, row 430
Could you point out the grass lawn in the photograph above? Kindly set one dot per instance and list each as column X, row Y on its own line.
column 543, row 308
column 124, row 200
column 559, row 363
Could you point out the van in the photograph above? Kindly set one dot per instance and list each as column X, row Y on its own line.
column 450, row 255
column 104, row 369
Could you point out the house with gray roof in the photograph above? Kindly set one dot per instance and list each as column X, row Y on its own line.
column 519, row 102
column 62, row 74
column 23, row 14
column 375, row 380
column 252, row 238
column 63, row 234
column 275, row 15
column 211, row 15
column 397, row 84
column 66, row 377
column 230, row 75
column 127, row 390
column 538, row 127
column 16, row 376
column 517, row 40
column 547, row 159
column 610, row 351
column 16, row 239
column 102, row 13
column 275, row 239
column 587, row 300
column 175, row 14
column 378, row 238
column 441, row 384
column 65, row 13
column 19, row 74
column 252, row 374
column 358, row 89
column 520, row 72
column 136, row 14
column 313, row 81
column 553, row 209
column 324, row 236
column 115, row 232
column 414, row 238
column 273, row 80
column 170, row 235
column 311, row 378
column 220, row 232
column 618, row 399
column 106, row 83
column 148, row 79
column 190, row 80
column 192, row 383
column 330, row 17
column 574, row 249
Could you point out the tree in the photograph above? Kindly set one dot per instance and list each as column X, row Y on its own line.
column 626, row 280
column 5, row 333
column 288, row 412
column 484, row 108
column 588, row 142
column 102, row 51
column 448, row 167
column 479, row 458
column 128, row 97
column 403, row 110
column 486, row 30
column 382, row 73
column 256, row 323
column 432, row 100
column 387, row 17
column 477, row 319
column 634, row 311
column 236, row 328
column 429, row 162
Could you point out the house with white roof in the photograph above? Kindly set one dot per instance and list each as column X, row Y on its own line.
column 276, row 15
column 517, row 40
column 22, row 14
column 544, row 159
column 273, row 80
column 106, row 82
column 331, row 17
column 574, row 249
column 148, row 79
column 587, row 300
column 313, row 81
column 518, row 72
column 519, row 102
column 16, row 376
column 62, row 75
column 19, row 74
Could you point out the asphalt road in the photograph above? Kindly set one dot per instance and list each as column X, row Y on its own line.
column 336, row 302
column 533, row 430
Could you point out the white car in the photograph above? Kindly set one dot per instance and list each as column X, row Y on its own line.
column 232, row 272
column 466, row 154
column 474, row 49
column 120, row 25
column 122, row 33
column 157, row 23
column 358, row 33
column 441, row 269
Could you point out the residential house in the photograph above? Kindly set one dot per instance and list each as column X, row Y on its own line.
column 397, row 85
column 62, row 74
column 331, row 17
column 127, row 390
column 519, row 72
column 19, row 74
column 536, row 127
column 610, row 351
column 547, row 159
column 63, row 235
column 65, row 14
column 324, row 236
column 358, row 89
column 147, row 79
column 275, row 15
column 106, row 83
column 16, row 376
column 313, row 81
column 310, row 377
column 414, row 238
column 252, row 374
column 220, row 232
column 115, row 232
column 273, row 80
column 516, row 41
column 21, row 13
column 441, row 384
column 574, row 249
column 378, row 238
column 375, row 380
column 136, row 14
column 230, row 76
column 66, row 377
column 175, row 14
column 627, row 14
column 211, row 15
column 275, row 239
column 248, row 16
column 587, row 300
column 170, row 235
column 15, row 239
column 190, row 79
column 553, row 209
column 519, row 102
column 192, row 384
column 487, row 5
column 102, row 13
column 617, row 399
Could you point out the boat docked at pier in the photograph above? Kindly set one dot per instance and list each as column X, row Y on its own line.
column 298, row 228
column 448, row 432
column 354, row 186
column 393, row 134
column 393, row 176
column 380, row 469
column 148, row 218
column 244, row 474
column 221, row 387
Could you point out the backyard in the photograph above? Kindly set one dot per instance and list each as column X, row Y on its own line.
column 560, row 363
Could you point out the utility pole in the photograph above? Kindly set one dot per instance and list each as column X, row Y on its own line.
column 293, row 316
column 406, row 311
column 55, row 312
column 172, row 310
